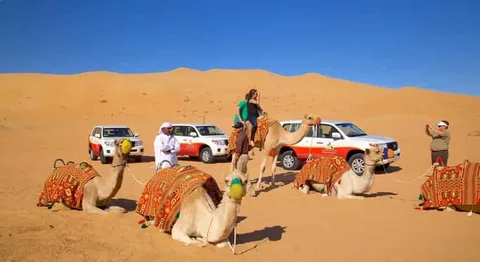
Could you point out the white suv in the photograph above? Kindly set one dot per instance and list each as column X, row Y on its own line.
column 337, row 138
column 201, row 140
column 101, row 142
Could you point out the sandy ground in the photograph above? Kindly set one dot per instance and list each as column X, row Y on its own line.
column 44, row 117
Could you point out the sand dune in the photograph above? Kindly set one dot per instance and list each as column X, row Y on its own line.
column 44, row 117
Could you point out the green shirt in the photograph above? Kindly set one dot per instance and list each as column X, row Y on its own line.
column 243, row 110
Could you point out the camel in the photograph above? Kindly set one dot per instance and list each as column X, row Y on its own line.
column 201, row 223
column 277, row 137
column 97, row 190
column 350, row 183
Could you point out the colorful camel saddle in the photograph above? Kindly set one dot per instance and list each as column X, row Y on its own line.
column 65, row 184
column 263, row 124
column 452, row 185
column 164, row 194
column 327, row 170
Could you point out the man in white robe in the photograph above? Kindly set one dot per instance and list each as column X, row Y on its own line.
column 166, row 147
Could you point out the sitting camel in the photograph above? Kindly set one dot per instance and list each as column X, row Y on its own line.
column 333, row 175
column 188, row 203
column 453, row 188
column 270, row 136
column 79, row 186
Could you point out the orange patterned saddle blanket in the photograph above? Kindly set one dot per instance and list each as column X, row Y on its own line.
column 164, row 194
column 263, row 125
column 326, row 169
column 452, row 185
column 65, row 184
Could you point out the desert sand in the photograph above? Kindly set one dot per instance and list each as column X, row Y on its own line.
column 44, row 117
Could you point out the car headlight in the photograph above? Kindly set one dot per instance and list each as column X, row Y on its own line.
column 110, row 143
column 219, row 142
column 138, row 143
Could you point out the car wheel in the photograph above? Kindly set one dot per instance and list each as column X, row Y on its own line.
column 92, row 155
column 206, row 155
column 357, row 163
column 289, row 160
column 103, row 158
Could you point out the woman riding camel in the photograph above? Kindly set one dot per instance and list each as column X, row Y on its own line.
column 254, row 110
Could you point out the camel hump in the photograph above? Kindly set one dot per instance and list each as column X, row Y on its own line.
column 164, row 194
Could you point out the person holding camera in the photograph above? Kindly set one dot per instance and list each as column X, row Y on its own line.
column 440, row 142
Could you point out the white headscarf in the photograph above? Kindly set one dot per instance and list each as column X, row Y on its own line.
column 441, row 123
column 164, row 125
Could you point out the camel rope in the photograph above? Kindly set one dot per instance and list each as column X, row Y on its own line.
column 429, row 171
column 133, row 176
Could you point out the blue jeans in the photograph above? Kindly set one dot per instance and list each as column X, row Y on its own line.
column 253, row 121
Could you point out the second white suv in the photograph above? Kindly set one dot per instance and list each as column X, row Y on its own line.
column 204, row 141
column 338, row 138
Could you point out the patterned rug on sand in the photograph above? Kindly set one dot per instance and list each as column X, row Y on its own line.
column 65, row 184
column 326, row 169
column 263, row 124
column 163, row 195
column 452, row 185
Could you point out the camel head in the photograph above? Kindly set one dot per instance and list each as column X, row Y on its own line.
column 235, row 183
column 373, row 155
column 122, row 151
column 311, row 120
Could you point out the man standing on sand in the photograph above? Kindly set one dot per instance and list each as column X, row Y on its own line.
column 166, row 147
column 440, row 141
column 240, row 156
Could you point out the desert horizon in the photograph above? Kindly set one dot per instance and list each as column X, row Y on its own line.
column 46, row 116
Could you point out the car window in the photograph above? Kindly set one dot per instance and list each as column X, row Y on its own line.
column 117, row 132
column 96, row 130
column 191, row 129
column 295, row 127
column 180, row 131
column 287, row 127
column 209, row 130
column 326, row 131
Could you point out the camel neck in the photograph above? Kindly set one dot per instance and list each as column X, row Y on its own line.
column 291, row 138
column 223, row 220
column 113, row 182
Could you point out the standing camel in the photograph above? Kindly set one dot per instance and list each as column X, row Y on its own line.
column 277, row 137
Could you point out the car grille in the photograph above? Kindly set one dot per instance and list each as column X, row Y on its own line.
column 133, row 143
column 226, row 142
column 392, row 145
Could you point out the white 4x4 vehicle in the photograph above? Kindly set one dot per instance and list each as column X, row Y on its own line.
column 200, row 140
column 338, row 138
column 102, row 138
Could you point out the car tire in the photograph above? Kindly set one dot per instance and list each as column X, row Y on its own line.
column 206, row 155
column 103, row 158
column 357, row 163
column 289, row 161
column 92, row 155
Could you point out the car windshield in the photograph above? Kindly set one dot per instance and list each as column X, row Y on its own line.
column 209, row 131
column 117, row 132
column 351, row 130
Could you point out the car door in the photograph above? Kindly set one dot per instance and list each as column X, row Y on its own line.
column 192, row 141
column 180, row 133
column 305, row 146
column 324, row 141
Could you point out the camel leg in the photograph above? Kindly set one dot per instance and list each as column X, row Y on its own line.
column 179, row 235
column 222, row 244
column 116, row 209
column 92, row 209
column 349, row 197
column 305, row 189
column 89, row 200
column 262, row 167
column 274, row 165
column 234, row 161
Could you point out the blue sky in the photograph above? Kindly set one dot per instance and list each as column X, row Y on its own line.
column 430, row 44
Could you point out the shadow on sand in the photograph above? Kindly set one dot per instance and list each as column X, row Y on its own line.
column 379, row 194
column 284, row 179
column 267, row 234
column 128, row 204
column 390, row 170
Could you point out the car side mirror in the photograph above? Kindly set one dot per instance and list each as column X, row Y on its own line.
column 97, row 135
column 192, row 134
column 136, row 134
column 336, row 135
